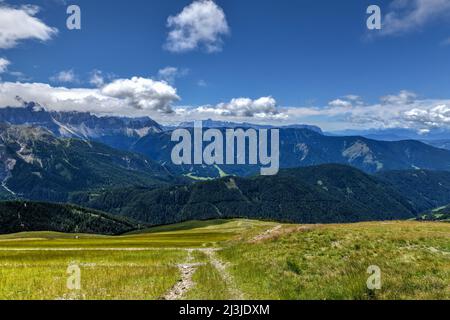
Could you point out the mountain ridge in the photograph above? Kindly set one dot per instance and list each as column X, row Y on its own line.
column 303, row 147
column 118, row 132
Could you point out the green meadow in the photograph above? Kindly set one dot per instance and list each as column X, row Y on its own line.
column 232, row 259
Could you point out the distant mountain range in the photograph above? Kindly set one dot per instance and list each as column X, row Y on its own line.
column 117, row 132
column 318, row 194
column 19, row 216
column 223, row 124
column 439, row 138
column 396, row 134
column 303, row 147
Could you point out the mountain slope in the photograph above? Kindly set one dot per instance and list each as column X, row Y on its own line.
column 34, row 164
column 424, row 189
column 28, row 216
column 322, row 194
column 303, row 147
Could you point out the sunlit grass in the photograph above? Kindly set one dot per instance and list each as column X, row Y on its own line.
column 331, row 262
column 104, row 275
column 209, row 285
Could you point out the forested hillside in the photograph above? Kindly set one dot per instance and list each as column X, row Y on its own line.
column 424, row 189
column 321, row 194
column 18, row 216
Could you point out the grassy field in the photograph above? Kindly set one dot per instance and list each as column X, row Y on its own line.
column 232, row 259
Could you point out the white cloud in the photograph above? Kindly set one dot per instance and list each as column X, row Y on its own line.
column 434, row 117
column 346, row 102
column 96, row 78
column 389, row 112
column 265, row 107
column 340, row 103
column 245, row 107
column 4, row 65
column 411, row 15
column 20, row 23
column 142, row 93
column 131, row 97
column 402, row 98
column 199, row 25
column 403, row 110
column 170, row 74
column 65, row 76
column 147, row 97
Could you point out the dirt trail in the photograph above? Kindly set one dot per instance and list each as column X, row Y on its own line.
column 266, row 234
column 226, row 276
column 187, row 270
column 279, row 231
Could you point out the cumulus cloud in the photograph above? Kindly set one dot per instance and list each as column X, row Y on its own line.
column 263, row 110
column 4, row 65
column 170, row 74
column 65, row 76
column 142, row 93
column 202, row 24
column 411, row 15
column 264, row 107
column 389, row 112
column 402, row 110
column 434, row 117
column 131, row 97
column 346, row 102
column 20, row 23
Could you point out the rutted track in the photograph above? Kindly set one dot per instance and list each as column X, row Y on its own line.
column 187, row 271
column 235, row 292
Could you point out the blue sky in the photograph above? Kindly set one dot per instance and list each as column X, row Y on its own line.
column 264, row 61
